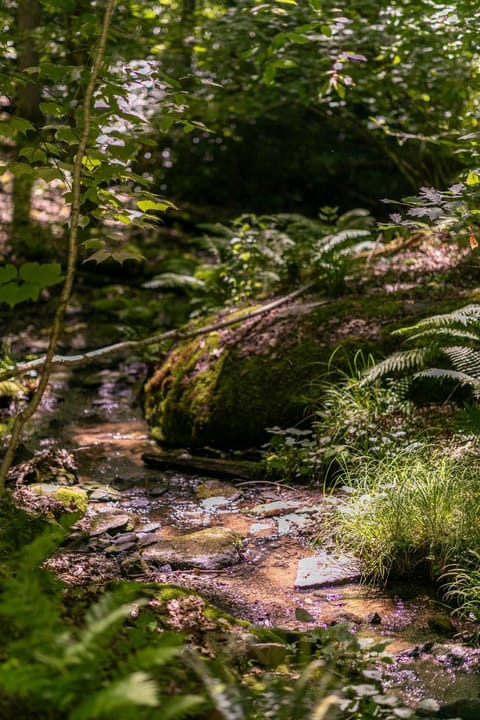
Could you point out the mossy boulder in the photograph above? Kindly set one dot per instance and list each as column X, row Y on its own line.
column 224, row 389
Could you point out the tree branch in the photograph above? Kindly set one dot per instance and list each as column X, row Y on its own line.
column 135, row 345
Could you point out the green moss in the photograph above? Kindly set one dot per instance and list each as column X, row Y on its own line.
column 226, row 388
column 71, row 497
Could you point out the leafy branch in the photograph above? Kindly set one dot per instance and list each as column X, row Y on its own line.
column 23, row 417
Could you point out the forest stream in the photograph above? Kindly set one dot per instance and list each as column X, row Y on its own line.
column 94, row 414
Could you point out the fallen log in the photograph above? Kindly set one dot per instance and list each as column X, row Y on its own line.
column 213, row 467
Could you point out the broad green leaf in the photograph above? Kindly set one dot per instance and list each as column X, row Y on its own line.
column 52, row 108
column 65, row 133
column 473, row 178
column 7, row 273
column 146, row 205
column 13, row 294
column 41, row 275
column 22, row 125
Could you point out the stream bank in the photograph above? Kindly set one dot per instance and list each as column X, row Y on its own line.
column 261, row 529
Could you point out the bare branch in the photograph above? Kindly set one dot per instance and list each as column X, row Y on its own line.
column 135, row 345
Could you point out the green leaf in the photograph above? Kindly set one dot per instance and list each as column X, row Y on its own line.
column 22, row 125
column 41, row 275
column 146, row 205
column 303, row 615
column 7, row 274
column 65, row 133
column 52, row 108
column 473, row 178
column 13, row 294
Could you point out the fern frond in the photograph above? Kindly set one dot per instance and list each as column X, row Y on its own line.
column 447, row 374
column 448, row 333
column 465, row 359
column 136, row 689
column 174, row 281
column 467, row 315
column 404, row 361
column 335, row 241
column 100, row 618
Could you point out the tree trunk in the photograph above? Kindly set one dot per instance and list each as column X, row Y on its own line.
column 28, row 21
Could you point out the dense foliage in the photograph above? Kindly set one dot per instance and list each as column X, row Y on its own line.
column 219, row 153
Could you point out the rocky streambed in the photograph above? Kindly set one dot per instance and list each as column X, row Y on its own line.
column 243, row 544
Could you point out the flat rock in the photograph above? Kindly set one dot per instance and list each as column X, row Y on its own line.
column 111, row 523
column 207, row 549
column 324, row 570
column 216, row 488
column 271, row 509
column 104, row 494
column 292, row 522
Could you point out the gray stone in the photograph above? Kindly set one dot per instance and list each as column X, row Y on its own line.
column 292, row 522
column 278, row 507
column 269, row 654
column 207, row 549
column 129, row 537
column 216, row 488
column 324, row 570
column 104, row 494
column 111, row 523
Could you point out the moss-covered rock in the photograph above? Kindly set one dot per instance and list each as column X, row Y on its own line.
column 226, row 388
column 73, row 498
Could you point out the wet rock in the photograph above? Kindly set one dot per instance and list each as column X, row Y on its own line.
column 120, row 548
column 146, row 539
column 73, row 498
column 212, row 504
column 324, row 570
column 278, row 507
column 111, row 523
column 207, row 549
column 293, row 522
column 269, row 654
column 157, row 490
column 134, row 566
column 427, row 707
column 104, row 494
column 216, row 488
column 129, row 537
column 262, row 528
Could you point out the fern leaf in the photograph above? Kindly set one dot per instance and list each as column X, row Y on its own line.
column 445, row 332
column 400, row 362
column 100, row 618
column 180, row 706
column 337, row 240
column 174, row 281
column 136, row 689
column 447, row 374
column 465, row 359
column 467, row 315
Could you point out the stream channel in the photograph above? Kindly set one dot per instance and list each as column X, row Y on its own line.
column 94, row 413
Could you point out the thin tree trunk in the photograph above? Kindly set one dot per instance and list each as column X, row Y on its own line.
column 28, row 21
